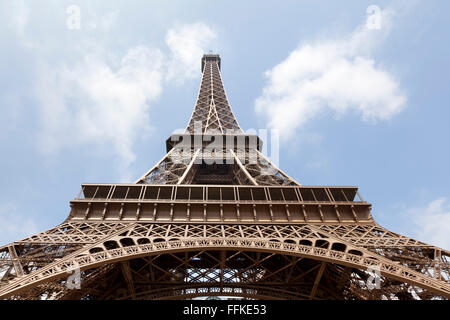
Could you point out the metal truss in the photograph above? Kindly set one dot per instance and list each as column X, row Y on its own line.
column 306, row 241
column 212, row 108
column 239, row 168
column 212, row 115
column 210, row 219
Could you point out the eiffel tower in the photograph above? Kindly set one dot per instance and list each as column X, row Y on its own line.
column 215, row 217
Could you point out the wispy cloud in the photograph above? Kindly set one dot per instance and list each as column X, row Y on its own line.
column 432, row 222
column 98, row 102
column 98, row 98
column 92, row 102
column 19, row 19
column 14, row 225
column 338, row 74
column 187, row 44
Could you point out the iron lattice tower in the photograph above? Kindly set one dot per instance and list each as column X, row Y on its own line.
column 194, row 226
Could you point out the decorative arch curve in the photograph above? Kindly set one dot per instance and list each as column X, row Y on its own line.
column 87, row 260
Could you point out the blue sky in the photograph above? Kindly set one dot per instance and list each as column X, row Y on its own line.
column 355, row 106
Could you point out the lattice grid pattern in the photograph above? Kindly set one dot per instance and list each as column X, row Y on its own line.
column 142, row 241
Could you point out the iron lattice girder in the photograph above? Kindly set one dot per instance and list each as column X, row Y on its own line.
column 180, row 162
column 189, row 274
column 288, row 277
column 248, row 274
column 214, row 203
column 144, row 239
column 213, row 120
column 313, row 242
column 212, row 108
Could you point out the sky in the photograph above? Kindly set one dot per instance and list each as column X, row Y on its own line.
column 358, row 91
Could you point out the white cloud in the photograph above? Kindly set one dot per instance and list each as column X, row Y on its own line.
column 187, row 45
column 13, row 225
column 336, row 74
column 19, row 19
column 102, row 101
column 104, row 21
column 433, row 223
column 93, row 103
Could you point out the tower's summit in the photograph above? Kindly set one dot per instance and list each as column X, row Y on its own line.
column 210, row 57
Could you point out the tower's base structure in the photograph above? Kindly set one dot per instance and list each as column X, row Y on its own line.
column 193, row 226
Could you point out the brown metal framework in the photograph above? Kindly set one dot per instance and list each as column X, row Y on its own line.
column 196, row 226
